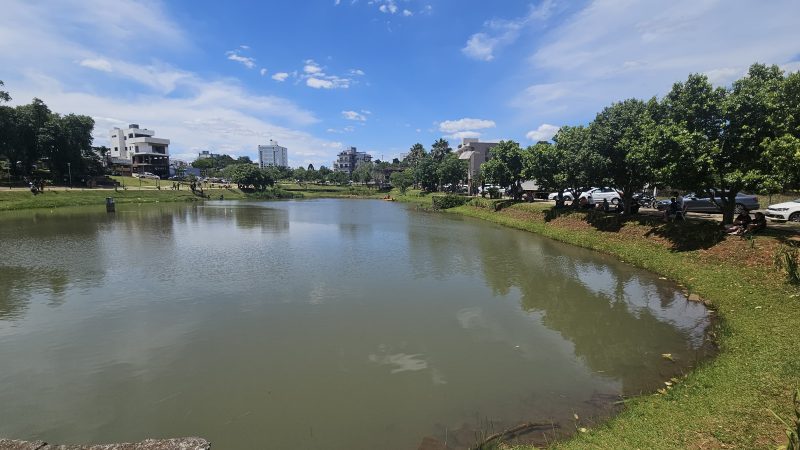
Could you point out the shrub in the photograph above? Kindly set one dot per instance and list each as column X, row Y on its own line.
column 448, row 201
column 494, row 192
column 787, row 260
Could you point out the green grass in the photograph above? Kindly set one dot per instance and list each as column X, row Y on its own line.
column 725, row 402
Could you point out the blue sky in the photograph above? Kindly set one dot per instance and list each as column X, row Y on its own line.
column 380, row 75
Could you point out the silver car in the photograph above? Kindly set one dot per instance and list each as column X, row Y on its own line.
column 702, row 203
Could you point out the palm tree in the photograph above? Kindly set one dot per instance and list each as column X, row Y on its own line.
column 440, row 149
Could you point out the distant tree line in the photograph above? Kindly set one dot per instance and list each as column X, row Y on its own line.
column 38, row 143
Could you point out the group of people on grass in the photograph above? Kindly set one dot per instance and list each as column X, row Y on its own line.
column 744, row 224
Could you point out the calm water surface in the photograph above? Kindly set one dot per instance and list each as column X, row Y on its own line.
column 330, row 324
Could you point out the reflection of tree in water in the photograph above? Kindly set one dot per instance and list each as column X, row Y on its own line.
column 438, row 249
column 18, row 283
column 609, row 332
column 273, row 220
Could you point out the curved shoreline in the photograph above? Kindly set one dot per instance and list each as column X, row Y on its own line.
column 724, row 402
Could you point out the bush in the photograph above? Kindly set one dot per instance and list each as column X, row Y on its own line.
column 494, row 192
column 448, row 201
column 273, row 193
column 787, row 260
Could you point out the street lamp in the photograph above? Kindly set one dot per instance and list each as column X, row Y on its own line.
column 69, row 169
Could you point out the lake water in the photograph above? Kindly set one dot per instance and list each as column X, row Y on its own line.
column 325, row 324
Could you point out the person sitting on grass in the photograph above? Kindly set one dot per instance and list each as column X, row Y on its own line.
column 759, row 223
column 740, row 224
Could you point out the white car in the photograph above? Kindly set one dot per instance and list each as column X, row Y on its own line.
column 566, row 195
column 598, row 194
column 785, row 211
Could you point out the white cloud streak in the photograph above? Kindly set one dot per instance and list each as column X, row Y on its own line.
column 452, row 126
column 544, row 132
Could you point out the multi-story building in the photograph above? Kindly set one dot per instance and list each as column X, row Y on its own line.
column 145, row 152
column 350, row 159
column 272, row 155
column 206, row 154
column 476, row 153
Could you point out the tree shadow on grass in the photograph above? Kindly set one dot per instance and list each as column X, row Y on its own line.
column 683, row 235
column 689, row 235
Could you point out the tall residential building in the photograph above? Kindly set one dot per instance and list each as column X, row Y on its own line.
column 138, row 147
column 272, row 155
column 350, row 159
column 476, row 153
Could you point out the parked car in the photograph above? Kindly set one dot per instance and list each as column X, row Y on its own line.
column 702, row 203
column 566, row 195
column 598, row 194
column 784, row 211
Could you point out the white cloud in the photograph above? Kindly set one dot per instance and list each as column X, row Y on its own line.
column 47, row 49
column 352, row 115
column 609, row 51
column 463, row 135
column 407, row 13
column 498, row 32
column 263, row 72
column 246, row 61
column 280, row 76
column 357, row 72
column 452, row 126
column 311, row 67
column 97, row 64
column 317, row 83
column 545, row 132
column 316, row 77
column 389, row 7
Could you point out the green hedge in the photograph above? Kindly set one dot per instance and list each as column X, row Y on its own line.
column 448, row 201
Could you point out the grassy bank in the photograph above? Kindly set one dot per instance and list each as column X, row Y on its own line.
column 23, row 199
column 726, row 402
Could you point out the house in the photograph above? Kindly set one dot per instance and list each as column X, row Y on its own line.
column 476, row 153
column 137, row 145
column 348, row 160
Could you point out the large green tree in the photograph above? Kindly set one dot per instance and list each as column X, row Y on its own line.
column 440, row 149
column 622, row 134
column 451, row 172
column 425, row 174
column 415, row 154
column 726, row 141
column 402, row 180
column 505, row 167
column 569, row 164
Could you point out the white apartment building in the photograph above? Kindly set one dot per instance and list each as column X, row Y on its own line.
column 145, row 152
column 272, row 155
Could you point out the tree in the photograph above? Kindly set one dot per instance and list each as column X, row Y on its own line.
column 246, row 175
column 243, row 160
column 415, row 154
column 622, row 134
column 300, row 175
column 782, row 151
column 402, row 180
column 440, row 149
column 451, row 171
column 425, row 174
column 4, row 96
column 323, row 173
column 338, row 178
column 363, row 172
column 505, row 167
column 724, row 142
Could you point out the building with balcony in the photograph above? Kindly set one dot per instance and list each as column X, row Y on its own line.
column 348, row 160
column 272, row 155
column 145, row 152
column 475, row 153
